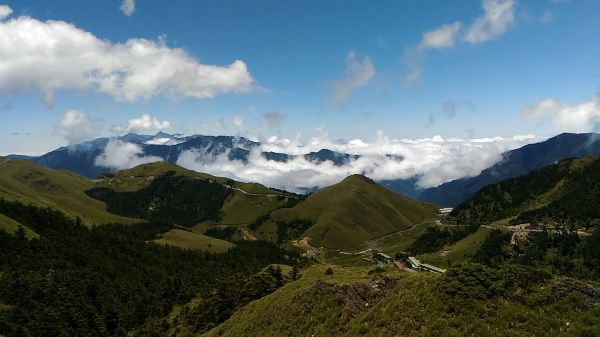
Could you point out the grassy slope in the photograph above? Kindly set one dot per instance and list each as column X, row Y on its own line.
column 412, row 308
column 239, row 208
column 188, row 240
column 141, row 172
column 27, row 182
column 459, row 252
column 11, row 226
column 276, row 315
column 347, row 214
column 402, row 242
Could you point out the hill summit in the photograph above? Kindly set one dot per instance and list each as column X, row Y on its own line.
column 353, row 211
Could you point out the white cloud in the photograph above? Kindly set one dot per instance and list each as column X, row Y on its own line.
column 145, row 123
column 238, row 121
column 498, row 16
column 122, row 155
column 54, row 55
column 582, row 117
column 127, row 7
column 433, row 160
column 443, row 37
column 75, row 127
column 358, row 74
column 5, row 12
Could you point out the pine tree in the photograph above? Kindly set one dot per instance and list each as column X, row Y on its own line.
column 20, row 233
column 295, row 274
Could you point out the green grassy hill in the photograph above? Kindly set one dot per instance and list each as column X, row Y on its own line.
column 243, row 205
column 565, row 193
column 469, row 301
column 189, row 240
column 27, row 182
column 347, row 214
column 458, row 252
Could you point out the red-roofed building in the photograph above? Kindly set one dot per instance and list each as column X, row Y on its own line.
column 399, row 264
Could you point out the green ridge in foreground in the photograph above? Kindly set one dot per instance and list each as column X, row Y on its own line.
column 472, row 300
column 347, row 214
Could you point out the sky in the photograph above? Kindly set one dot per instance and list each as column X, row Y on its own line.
column 297, row 71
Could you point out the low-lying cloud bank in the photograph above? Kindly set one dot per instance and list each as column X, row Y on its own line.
column 432, row 160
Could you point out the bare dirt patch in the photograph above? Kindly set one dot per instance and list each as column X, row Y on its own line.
column 304, row 244
column 355, row 298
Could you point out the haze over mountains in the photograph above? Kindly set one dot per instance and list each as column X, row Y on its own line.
column 243, row 159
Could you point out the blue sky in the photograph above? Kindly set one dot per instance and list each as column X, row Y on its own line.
column 337, row 67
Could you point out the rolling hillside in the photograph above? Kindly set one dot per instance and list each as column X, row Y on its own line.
column 27, row 182
column 347, row 214
column 243, row 202
column 564, row 193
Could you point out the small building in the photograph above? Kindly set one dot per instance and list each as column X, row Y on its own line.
column 444, row 211
column 432, row 269
column 400, row 265
column 413, row 262
column 417, row 265
column 383, row 257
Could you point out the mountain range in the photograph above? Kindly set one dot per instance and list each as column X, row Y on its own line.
column 82, row 159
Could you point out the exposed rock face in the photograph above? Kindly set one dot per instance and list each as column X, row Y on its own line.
column 564, row 286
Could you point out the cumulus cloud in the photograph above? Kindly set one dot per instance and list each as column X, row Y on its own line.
column 582, row 117
column 273, row 118
column 443, row 37
column 122, row 155
column 53, row 55
column 238, row 121
column 145, row 123
column 75, row 127
column 357, row 74
column 5, row 12
column 498, row 16
column 127, row 7
column 432, row 160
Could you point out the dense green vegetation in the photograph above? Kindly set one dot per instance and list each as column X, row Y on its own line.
column 292, row 229
column 221, row 232
column 564, row 193
column 169, row 198
column 108, row 280
column 470, row 300
column 558, row 253
column 202, row 314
